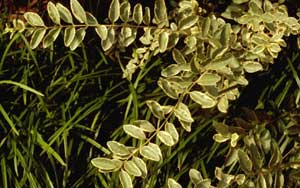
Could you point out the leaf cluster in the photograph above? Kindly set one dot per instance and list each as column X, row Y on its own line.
column 211, row 57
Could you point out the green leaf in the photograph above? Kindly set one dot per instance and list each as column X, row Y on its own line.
column 171, row 70
column 33, row 19
column 279, row 180
column 90, row 19
column 151, row 152
column 165, row 138
column 187, row 22
column 46, row 147
column 125, row 11
column 163, row 41
column 220, row 63
column 114, row 11
column 178, row 56
column 141, row 165
column 171, row 129
column 225, row 35
column 51, row 37
column 101, row 30
column 182, row 112
column 203, row 99
column 276, row 156
column 239, row 1
column 206, row 183
column 160, row 13
column 53, row 12
column 195, row 176
column 147, row 16
column 23, row 86
column 69, row 35
column 18, row 25
column 109, row 41
column 245, row 161
column 208, row 79
column 252, row 66
column 186, row 125
column 118, row 148
column 134, row 131
column 173, row 184
column 240, row 179
column 78, row 11
column 64, row 13
column 206, row 26
column 125, row 179
column 107, row 165
column 145, row 125
column 132, row 168
column 137, row 14
column 37, row 38
column 173, row 40
column 156, row 109
column 261, row 181
column 9, row 121
column 79, row 36
column 223, row 104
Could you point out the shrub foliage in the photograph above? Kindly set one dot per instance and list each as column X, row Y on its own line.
column 211, row 57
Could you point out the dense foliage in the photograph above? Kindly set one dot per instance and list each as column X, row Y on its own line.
column 185, row 67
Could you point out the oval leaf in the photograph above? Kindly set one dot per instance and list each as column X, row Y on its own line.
column 109, row 41
column 132, row 168
column 101, row 30
column 171, row 70
column 106, row 165
column 79, row 36
column 151, row 152
column 145, row 125
column 182, row 112
column 160, row 13
column 225, row 35
column 33, row 19
column 118, row 148
column 245, row 161
column 147, row 16
column 165, row 138
column 64, row 13
column 187, row 22
column 141, row 165
column 78, row 11
column 138, row 14
column 166, row 86
column 53, row 13
column 69, row 35
column 178, row 57
column 156, row 109
column 186, row 125
column 51, row 37
column 163, row 41
column 195, row 176
column 90, row 19
column 171, row 129
column 125, row 179
column 223, row 104
column 173, row 184
column 37, row 38
column 125, row 9
column 252, row 66
column 134, row 131
column 203, row 99
column 208, row 79
column 114, row 11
